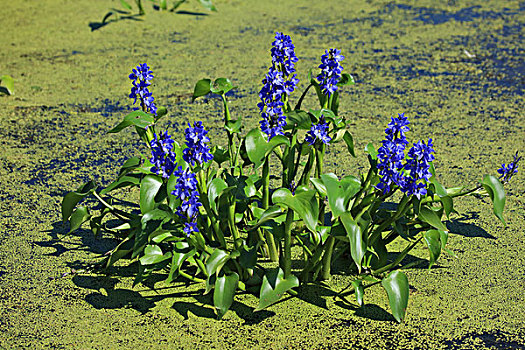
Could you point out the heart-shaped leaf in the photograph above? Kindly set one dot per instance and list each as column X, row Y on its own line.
column 396, row 286
column 496, row 193
column 153, row 254
column 216, row 261
column 221, row 85
column 273, row 286
column 72, row 198
column 433, row 241
column 202, row 88
column 430, row 217
column 139, row 119
column 7, row 85
column 303, row 203
column 225, row 287
column 257, row 147
column 215, row 189
column 355, row 237
column 149, row 188
column 181, row 252
column 79, row 216
column 340, row 192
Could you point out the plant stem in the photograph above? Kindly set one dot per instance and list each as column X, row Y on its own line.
column 288, row 244
column 272, row 247
column 231, row 140
column 399, row 258
column 327, row 258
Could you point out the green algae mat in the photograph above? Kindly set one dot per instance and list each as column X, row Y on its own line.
column 456, row 69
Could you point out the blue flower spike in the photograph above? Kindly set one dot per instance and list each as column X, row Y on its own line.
column 140, row 79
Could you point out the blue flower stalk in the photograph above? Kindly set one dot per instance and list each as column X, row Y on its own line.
column 186, row 190
column 318, row 135
column 392, row 153
column 330, row 73
column 141, row 79
column 278, row 84
column 507, row 171
column 418, row 165
column 197, row 151
column 163, row 158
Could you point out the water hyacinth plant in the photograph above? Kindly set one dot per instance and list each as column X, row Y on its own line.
column 211, row 215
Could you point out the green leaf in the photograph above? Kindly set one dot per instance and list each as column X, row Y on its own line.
column 346, row 79
column 340, row 192
column 72, row 198
column 234, row 126
column 125, row 4
column 269, row 214
column 149, row 223
column 224, row 292
column 181, row 252
column 355, row 236
column 153, row 254
column 221, row 85
column 248, row 257
column 129, row 165
column 216, row 261
column 496, row 193
column 430, row 217
column 359, row 291
column 298, row 119
column 124, row 181
column 215, row 189
column 304, row 203
column 258, row 148
column 220, row 154
column 372, row 152
column 163, row 4
column 348, row 139
column 161, row 112
column 79, row 216
column 273, row 286
column 433, row 241
column 396, row 286
column 319, row 186
column 202, row 88
column 139, row 119
column 149, row 188
column 7, row 85
column 208, row 5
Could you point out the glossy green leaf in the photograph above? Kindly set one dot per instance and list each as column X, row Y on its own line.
column 129, row 165
column 221, row 85
column 149, row 188
column 225, row 287
column 216, row 261
column 149, row 223
column 202, row 88
column 220, row 154
column 8, row 84
column 124, row 181
column 161, row 112
column 304, row 203
column 273, row 287
column 372, row 152
column 496, row 193
column 215, row 189
column 153, row 255
column 430, row 217
column 181, row 252
column 448, row 205
column 359, row 291
column 257, row 147
column 396, row 286
column 346, row 79
column 355, row 237
column 79, row 216
column 208, row 5
column 234, row 126
column 272, row 212
column 433, row 240
column 299, row 120
column 72, row 198
column 319, row 186
column 340, row 191
column 248, row 256
column 139, row 119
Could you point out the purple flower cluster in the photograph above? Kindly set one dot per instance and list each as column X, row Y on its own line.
column 330, row 71
column 392, row 153
column 186, row 191
column 197, row 151
column 141, row 78
column 319, row 132
column 418, row 165
column 412, row 176
column 507, row 171
column 162, row 156
column 279, row 80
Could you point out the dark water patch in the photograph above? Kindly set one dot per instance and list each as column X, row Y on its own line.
column 492, row 340
column 105, row 107
column 436, row 16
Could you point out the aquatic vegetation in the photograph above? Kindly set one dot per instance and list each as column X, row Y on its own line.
column 213, row 215
column 163, row 5
column 7, row 85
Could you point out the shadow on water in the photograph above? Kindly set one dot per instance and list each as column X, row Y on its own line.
column 493, row 340
column 459, row 227
column 119, row 16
